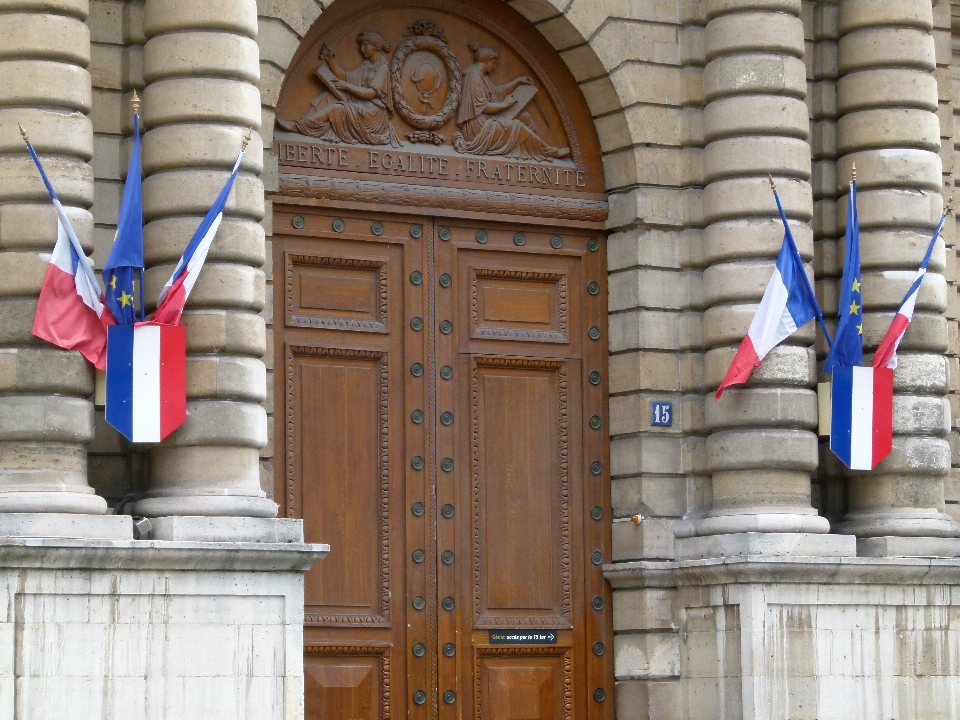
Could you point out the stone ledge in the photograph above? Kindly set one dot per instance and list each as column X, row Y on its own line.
column 796, row 570
column 157, row 555
column 235, row 529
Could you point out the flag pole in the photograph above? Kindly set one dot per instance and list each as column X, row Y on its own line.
column 793, row 245
column 135, row 102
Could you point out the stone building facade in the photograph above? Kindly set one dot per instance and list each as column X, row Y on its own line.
column 742, row 573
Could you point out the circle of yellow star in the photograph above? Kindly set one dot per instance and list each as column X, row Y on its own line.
column 856, row 285
column 854, row 308
column 125, row 299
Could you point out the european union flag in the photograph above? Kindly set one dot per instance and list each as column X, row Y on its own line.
column 847, row 347
column 125, row 263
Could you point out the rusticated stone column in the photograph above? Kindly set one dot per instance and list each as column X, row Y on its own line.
column 201, row 67
column 46, row 413
column 762, row 449
column 887, row 100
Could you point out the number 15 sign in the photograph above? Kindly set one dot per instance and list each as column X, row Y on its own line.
column 661, row 413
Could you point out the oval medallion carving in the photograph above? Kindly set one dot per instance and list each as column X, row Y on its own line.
column 425, row 68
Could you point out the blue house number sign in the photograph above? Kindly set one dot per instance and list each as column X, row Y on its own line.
column 661, row 414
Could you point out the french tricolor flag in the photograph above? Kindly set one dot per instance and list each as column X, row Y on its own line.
column 788, row 304
column 146, row 380
column 886, row 355
column 70, row 313
column 174, row 294
column 861, row 418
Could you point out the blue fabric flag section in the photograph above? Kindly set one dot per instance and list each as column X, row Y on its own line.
column 125, row 264
column 847, row 350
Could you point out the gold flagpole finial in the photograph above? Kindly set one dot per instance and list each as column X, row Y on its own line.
column 23, row 134
column 853, row 173
column 135, row 101
column 246, row 140
column 773, row 185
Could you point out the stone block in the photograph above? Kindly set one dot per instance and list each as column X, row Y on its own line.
column 644, row 371
column 203, row 99
column 647, row 329
column 762, row 449
column 763, row 407
column 133, row 13
column 199, row 145
column 887, row 87
column 237, row 529
column 736, row 198
column 46, row 417
column 201, row 54
column 892, row 166
column 646, row 700
column 45, row 83
column 224, row 377
column 755, row 115
column 192, row 192
column 52, row 131
column 20, row 182
column 888, row 127
column 886, row 47
column 171, row 16
column 735, row 157
column 894, row 208
column 45, row 35
column 742, row 239
column 106, row 66
column 766, row 544
column 649, row 495
column 646, row 656
column 220, row 422
column 534, row 10
column 643, row 609
column 754, row 73
column 44, row 369
column 891, row 546
column 62, row 525
column 237, row 241
column 858, row 14
column 106, row 22
column 235, row 333
column 754, row 32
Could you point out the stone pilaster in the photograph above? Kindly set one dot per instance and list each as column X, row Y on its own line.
column 887, row 101
column 762, row 448
column 201, row 67
column 46, row 415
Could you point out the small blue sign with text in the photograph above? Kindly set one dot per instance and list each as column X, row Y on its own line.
column 661, row 413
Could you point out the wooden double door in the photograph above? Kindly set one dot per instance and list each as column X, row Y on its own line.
column 440, row 418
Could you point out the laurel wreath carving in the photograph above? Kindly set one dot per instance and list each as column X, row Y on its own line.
column 439, row 48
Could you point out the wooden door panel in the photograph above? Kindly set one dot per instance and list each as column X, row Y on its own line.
column 524, row 684
column 336, row 292
column 346, row 682
column 521, row 494
column 340, row 420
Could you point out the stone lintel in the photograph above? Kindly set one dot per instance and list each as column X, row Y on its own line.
column 235, row 529
column 72, row 554
column 904, row 571
column 766, row 544
column 893, row 546
column 65, row 525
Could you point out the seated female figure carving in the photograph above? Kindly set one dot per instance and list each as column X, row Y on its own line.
column 361, row 114
column 481, row 131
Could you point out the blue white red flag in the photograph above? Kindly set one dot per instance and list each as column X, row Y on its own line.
column 177, row 289
column 70, row 313
column 847, row 349
column 861, row 422
column 146, row 380
column 886, row 355
column 788, row 303
column 125, row 264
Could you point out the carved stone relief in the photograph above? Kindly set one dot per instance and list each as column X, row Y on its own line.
column 422, row 85
column 425, row 94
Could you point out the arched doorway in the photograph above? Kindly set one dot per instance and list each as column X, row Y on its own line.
column 439, row 294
